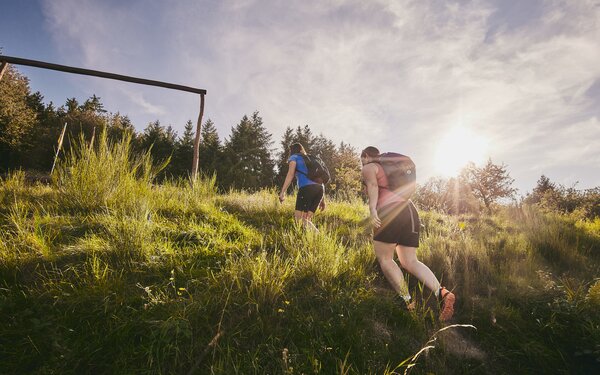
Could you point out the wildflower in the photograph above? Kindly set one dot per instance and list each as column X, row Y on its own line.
column 280, row 310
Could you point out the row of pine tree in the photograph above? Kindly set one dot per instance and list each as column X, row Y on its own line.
column 29, row 130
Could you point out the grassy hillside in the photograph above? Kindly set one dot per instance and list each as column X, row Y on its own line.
column 104, row 272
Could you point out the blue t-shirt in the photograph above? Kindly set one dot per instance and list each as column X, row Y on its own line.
column 301, row 178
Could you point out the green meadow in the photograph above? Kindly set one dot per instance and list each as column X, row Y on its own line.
column 105, row 272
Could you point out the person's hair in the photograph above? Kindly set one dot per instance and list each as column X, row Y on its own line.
column 370, row 151
column 297, row 148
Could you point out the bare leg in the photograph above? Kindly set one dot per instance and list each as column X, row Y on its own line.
column 305, row 219
column 409, row 261
column 298, row 216
column 385, row 256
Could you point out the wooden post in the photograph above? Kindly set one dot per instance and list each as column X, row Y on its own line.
column 5, row 60
column 3, row 68
column 195, row 161
column 93, row 136
column 60, row 142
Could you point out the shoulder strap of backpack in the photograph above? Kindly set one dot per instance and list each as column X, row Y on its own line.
column 305, row 164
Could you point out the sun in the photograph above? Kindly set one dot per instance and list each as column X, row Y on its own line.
column 456, row 149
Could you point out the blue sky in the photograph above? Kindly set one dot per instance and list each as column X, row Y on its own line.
column 522, row 77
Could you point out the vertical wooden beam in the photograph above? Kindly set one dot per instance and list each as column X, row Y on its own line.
column 195, row 161
column 60, row 142
column 3, row 68
column 93, row 137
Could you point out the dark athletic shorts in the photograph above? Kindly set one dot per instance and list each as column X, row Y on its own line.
column 309, row 197
column 400, row 224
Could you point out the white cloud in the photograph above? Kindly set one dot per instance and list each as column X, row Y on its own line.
column 393, row 74
column 137, row 98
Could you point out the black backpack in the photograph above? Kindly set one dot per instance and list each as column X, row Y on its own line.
column 317, row 170
column 401, row 173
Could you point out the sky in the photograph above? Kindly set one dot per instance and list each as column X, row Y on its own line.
column 442, row 81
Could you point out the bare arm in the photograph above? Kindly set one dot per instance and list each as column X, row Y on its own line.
column 369, row 175
column 288, row 180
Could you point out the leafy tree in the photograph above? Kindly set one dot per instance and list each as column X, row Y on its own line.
column 591, row 203
column 247, row 155
column 555, row 197
column 16, row 116
column 451, row 196
column 347, row 182
column 433, row 195
column 489, row 183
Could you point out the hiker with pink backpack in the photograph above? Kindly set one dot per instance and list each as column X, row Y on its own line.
column 390, row 180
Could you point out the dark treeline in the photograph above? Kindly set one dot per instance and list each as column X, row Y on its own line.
column 29, row 132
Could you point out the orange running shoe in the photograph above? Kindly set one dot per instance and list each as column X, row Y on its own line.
column 447, row 299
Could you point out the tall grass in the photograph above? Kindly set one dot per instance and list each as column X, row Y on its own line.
column 107, row 273
column 106, row 174
column 12, row 187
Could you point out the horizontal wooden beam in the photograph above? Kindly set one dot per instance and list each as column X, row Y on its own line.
column 96, row 73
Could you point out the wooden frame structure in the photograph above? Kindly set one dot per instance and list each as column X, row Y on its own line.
column 5, row 60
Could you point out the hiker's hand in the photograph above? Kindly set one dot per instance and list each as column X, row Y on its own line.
column 375, row 219
column 322, row 205
column 281, row 197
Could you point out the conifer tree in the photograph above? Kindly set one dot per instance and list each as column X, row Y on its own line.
column 248, row 155
column 282, row 156
column 161, row 142
column 210, row 149
column 181, row 162
column 302, row 135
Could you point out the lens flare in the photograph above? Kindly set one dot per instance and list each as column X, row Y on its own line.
column 456, row 149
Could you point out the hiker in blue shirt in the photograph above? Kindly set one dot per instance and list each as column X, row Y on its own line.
column 310, row 193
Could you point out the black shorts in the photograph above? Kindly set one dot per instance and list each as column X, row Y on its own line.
column 400, row 224
column 309, row 197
